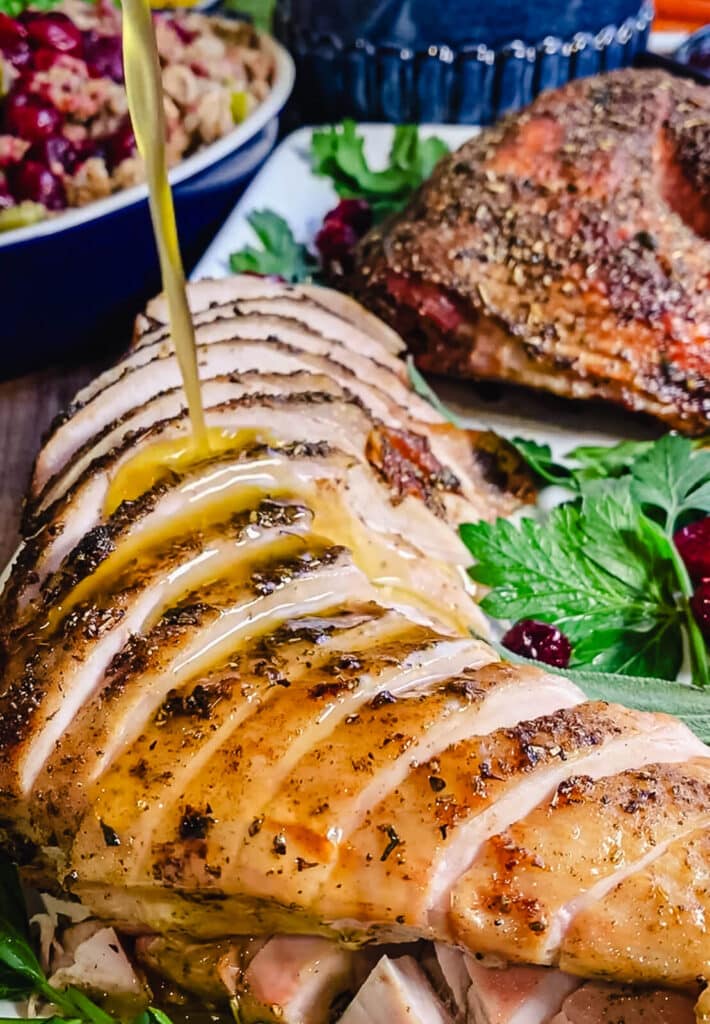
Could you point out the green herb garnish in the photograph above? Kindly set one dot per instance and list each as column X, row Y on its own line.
column 281, row 255
column 338, row 153
column 22, row 976
column 641, row 692
column 603, row 567
column 594, row 462
column 13, row 8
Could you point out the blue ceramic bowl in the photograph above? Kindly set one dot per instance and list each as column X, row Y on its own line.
column 72, row 285
column 449, row 60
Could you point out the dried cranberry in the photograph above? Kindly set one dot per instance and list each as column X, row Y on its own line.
column 56, row 150
column 103, row 55
column 43, row 59
column 17, row 52
column 700, row 603
column 693, row 543
column 13, row 42
column 5, row 196
column 10, row 30
column 88, row 148
column 120, row 145
column 540, row 641
column 357, row 213
column 335, row 242
column 57, row 32
column 184, row 34
column 30, row 117
column 32, row 180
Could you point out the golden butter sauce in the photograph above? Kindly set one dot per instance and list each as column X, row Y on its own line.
column 144, row 87
column 162, row 458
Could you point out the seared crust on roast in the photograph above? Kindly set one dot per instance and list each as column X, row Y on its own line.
column 566, row 248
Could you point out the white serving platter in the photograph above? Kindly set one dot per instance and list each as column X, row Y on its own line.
column 287, row 185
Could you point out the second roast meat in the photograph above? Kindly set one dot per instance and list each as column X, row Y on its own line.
column 566, row 249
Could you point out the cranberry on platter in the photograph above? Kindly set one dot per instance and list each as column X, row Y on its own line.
column 539, row 641
column 335, row 241
column 700, row 604
column 10, row 30
column 88, row 148
column 693, row 543
column 32, row 180
column 30, row 117
column 55, row 31
column 357, row 213
column 103, row 55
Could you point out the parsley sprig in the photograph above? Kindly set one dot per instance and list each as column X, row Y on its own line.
column 22, row 976
column 338, row 153
column 603, row 566
column 280, row 254
column 13, row 8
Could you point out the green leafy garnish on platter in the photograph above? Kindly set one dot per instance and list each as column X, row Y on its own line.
column 603, row 567
column 22, row 976
column 338, row 153
column 689, row 703
column 280, row 254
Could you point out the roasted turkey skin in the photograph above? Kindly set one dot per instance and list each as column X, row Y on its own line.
column 241, row 697
column 565, row 249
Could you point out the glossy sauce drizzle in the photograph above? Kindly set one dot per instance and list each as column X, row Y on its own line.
column 145, row 102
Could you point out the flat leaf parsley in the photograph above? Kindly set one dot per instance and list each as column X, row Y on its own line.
column 603, row 567
column 280, row 254
column 338, row 153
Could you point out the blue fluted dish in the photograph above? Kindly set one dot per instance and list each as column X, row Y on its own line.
column 72, row 284
column 449, row 60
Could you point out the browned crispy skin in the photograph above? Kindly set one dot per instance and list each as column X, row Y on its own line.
column 565, row 249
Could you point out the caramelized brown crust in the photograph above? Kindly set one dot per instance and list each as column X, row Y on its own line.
column 566, row 249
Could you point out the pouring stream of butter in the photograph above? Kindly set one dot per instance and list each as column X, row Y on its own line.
column 145, row 102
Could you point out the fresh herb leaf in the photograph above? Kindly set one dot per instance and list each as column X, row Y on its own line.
column 22, row 976
column 281, row 255
column 594, row 462
column 12, row 904
column 13, row 8
column 424, row 389
column 604, row 461
column 645, row 693
column 672, row 478
column 596, row 568
column 541, row 461
column 338, row 153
